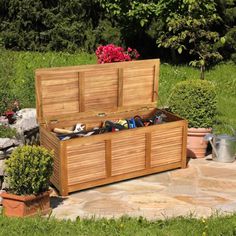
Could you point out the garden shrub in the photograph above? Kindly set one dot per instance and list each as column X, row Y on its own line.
column 194, row 100
column 29, row 169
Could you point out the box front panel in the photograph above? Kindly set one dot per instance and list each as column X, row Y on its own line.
column 166, row 146
column 128, row 154
column 86, row 162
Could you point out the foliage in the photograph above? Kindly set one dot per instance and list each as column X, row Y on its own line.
column 111, row 53
column 7, row 132
column 194, row 100
column 46, row 25
column 180, row 226
column 29, row 169
column 190, row 28
column 227, row 11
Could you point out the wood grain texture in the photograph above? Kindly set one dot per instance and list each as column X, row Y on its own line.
column 108, row 150
column 117, row 178
column 148, row 150
column 81, row 91
column 166, row 146
column 86, row 162
column 128, row 154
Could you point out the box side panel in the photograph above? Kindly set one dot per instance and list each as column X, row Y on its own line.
column 51, row 143
column 86, row 162
column 128, row 154
column 166, row 146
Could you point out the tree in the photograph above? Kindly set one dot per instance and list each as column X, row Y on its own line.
column 191, row 28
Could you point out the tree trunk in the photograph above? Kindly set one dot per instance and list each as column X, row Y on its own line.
column 202, row 76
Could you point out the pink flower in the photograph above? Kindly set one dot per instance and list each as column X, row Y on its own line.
column 111, row 53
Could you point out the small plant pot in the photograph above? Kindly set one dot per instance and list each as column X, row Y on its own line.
column 196, row 145
column 29, row 205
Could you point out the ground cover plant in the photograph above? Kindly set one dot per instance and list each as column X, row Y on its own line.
column 125, row 226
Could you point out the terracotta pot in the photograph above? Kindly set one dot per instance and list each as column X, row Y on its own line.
column 29, row 205
column 196, row 145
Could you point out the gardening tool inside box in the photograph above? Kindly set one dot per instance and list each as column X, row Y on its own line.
column 92, row 94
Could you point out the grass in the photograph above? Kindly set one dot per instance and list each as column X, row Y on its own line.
column 17, row 72
column 125, row 226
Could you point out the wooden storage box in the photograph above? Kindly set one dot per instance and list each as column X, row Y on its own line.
column 91, row 94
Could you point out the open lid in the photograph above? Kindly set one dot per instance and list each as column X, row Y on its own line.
column 92, row 89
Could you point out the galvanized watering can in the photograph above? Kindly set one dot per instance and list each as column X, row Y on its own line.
column 223, row 147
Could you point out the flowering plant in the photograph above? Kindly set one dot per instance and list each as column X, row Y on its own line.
column 111, row 53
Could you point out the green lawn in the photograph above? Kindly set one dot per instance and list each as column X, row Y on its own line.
column 213, row 226
column 17, row 72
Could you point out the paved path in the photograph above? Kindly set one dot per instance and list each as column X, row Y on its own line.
column 203, row 188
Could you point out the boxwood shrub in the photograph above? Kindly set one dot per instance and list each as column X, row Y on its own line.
column 29, row 169
column 194, row 100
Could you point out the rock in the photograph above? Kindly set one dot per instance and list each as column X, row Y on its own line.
column 8, row 142
column 7, row 145
column 26, row 120
column 1, row 167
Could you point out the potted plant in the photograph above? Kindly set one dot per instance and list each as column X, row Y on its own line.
column 195, row 100
column 28, row 171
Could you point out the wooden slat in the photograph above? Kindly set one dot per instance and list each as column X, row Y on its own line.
column 148, row 146
column 64, row 169
column 120, row 86
column 81, row 92
column 108, row 154
column 184, row 145
column 38, row 97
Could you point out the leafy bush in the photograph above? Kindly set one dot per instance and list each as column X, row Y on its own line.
column 194, row 100
column 7, row 132
column 28, row 170
column 111, row 53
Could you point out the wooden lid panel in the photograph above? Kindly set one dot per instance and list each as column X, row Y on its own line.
column 90, row 88
column 59, row 94
column 100, row 90
column 138, row 86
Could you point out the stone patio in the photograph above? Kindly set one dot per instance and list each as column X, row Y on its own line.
column 203, row 188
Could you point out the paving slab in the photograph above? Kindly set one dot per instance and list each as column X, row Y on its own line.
column 202, row 189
